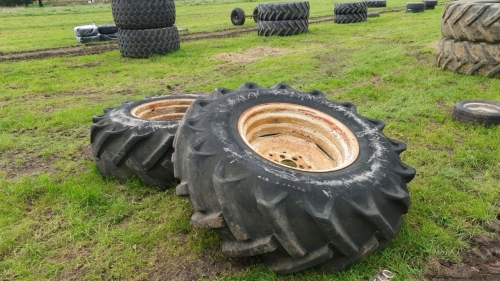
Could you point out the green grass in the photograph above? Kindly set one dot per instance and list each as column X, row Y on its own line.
column 59, row 219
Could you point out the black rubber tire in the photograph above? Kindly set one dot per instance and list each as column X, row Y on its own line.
column 284, row 11
column 415, row 7
column 481, row 112
column 143, row 14
column 237, row 16
column 107, row 28
column 292, row 218
column 471, row 21
column 430, row 3
column 143, row 43
column 282, row 28
column 376, row 4
column 349, row 8
column 373, row 14
column 350, row 18
column 108, row 37
column 88, row 39
column 469, row 57
column 255, row 14
column 86, row 31
column 429, row 7
column 125, row 146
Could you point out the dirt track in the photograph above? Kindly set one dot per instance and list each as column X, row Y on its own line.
column 89, row 49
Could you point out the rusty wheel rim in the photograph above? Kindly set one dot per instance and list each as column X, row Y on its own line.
column 298, row 137
column 162, row 110
column 482, row 107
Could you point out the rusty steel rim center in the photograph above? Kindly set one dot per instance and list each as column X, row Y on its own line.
column 482, row 107
column 298, row 137
column 162, row 110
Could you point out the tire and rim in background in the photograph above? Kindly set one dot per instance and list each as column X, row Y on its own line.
column 480, row 112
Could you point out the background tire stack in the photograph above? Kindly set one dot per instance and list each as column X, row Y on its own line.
column 145, row 27
column 430, row 4
column 471, row 38
column 282, row 19
column 415, row 7
column 376, row 4
column 350, row 12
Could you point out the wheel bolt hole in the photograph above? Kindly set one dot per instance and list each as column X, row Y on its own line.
column 282, row 156
column 289, row 163
column 295, row 158
column 271, row 154
column 301, row 166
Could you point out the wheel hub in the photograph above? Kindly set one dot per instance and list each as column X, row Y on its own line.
column 482, row 107
column 298, row 137
column 162, row 110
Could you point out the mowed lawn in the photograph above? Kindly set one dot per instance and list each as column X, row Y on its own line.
column 60, row 220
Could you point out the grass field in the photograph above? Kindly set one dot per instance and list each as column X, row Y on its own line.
column 60, row 220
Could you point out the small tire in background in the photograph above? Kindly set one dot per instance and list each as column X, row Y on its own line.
column 143, row 43
column 108, row 37
column 135, row 139
column 469, row 58
column 284, row 11
column 282, row 28
column 430, row 4
column 415, row 7
column 143, row 14
column 107, row 29
column 255, row 14
column 237, row 16
column 350, row 18
column 349, row 8
column 481, row 112
column 376, row 4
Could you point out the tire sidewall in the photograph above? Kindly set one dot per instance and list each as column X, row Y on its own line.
column 371, row 161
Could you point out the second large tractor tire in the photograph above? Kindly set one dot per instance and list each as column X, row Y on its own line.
column 469, row 58
column 135, row 139
column 290, row 176
column 471, row 21
column 143, row 14
column 282, row 28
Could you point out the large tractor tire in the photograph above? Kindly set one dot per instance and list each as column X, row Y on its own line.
column 143, row 14
column 135, row 139
column 282, row 28
column 291, row 176
column 472, row 21
column 350, row 18
column 469, row 57
column 143, row 43
column 350, row 8
column 283, row 11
